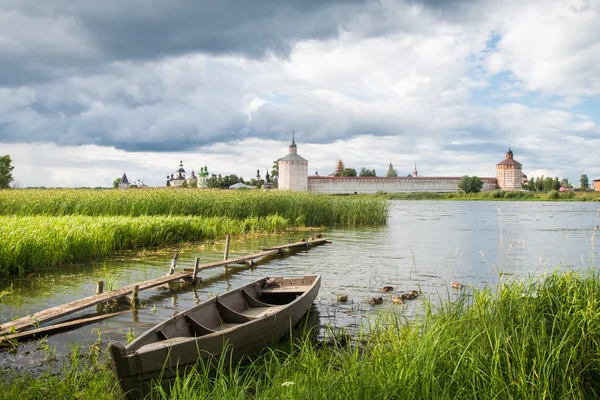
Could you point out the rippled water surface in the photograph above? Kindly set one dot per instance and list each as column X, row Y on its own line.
column 425, row 245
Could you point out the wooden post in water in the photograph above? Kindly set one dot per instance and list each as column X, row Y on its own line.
column 307, row 244
column 195, row 273
column 135, row 301
column 227, row 241
column 173, row 264
column 100, row 287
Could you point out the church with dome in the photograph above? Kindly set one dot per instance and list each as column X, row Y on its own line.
column 293, row 175
column 179, row 177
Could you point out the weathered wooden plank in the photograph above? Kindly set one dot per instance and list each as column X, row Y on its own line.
column 59, row 327
column 234, row 260
column 77, row 305
column 311, row 243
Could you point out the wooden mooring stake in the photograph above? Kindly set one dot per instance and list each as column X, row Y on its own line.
column 135, row 301
column 227, row 242
column 173, row 264
column 195, row 273
column 100, row 287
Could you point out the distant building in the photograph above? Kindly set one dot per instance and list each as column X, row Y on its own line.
column 509, row 173
column 293, row 175
column 177, row 179
column 596, row 185
column 203, row 177
column 293, row 170
column 391, row 172
column 339, row 167
column 124, row 184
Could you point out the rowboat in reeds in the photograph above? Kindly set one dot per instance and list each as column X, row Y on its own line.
column 241, row 321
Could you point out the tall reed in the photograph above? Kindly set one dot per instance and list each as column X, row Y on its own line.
column 33, row 242
column 299, row 207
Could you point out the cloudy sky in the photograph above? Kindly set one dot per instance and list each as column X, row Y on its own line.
column 91, row 89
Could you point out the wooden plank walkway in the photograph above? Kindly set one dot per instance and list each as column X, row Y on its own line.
column 310, row 243
column 44, row 316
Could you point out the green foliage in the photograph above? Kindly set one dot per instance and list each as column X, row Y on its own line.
column 391, row 173
column 367, row 172
column 584, row 182
column 6, row 169
column 116, row 183
column 223, row 182
column 184, row 184
column 470, row 184
column 347, row 172
column 553, row 195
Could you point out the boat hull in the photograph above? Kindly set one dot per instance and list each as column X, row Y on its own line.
column 240, row 322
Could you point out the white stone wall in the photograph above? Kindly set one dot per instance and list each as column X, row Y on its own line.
column 509, row 177
column 293, row 175
column 351, row 185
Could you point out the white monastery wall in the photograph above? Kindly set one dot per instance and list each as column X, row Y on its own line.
column 352, row 185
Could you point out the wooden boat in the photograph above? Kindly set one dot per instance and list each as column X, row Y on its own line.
column 242, row 321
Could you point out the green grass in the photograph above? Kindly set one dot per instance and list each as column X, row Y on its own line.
column 35, row 242
column 496, row 195
column 536, row 339
column 299, row 207
column 45, row 228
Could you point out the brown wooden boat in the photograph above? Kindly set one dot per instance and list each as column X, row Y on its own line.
column 242, row 321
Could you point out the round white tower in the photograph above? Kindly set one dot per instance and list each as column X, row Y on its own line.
column 293, row 170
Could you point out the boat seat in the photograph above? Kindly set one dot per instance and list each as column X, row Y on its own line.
column 300, row 289
column 258, row 312
column 224, row 326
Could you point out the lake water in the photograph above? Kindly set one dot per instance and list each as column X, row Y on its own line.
column 425, row 245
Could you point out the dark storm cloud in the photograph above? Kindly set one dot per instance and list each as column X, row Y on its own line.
column 114, row 30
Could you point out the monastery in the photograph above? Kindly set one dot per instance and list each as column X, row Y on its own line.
column 293, row 175
column 177, row 179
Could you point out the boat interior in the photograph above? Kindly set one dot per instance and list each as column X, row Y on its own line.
column 229, row 310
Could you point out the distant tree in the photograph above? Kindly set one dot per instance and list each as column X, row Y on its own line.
column 409, row 176
column 6, row 168
column 184, row 184
column 470, row 184
column 391, row 172
column 584, row 182
column 348, row 172
column 367, row 172
column 275, row 174
column 194, row 184
column 556, row 184
column 116, row 183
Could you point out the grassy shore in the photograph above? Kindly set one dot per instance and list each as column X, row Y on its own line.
column 496, row 195
column 528, row 340
column 46, row 228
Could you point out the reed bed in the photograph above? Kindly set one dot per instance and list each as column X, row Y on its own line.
column 536, row 339
column 33, row 242
column 301, row 208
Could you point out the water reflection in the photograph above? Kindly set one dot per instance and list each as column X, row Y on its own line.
column 426, row 245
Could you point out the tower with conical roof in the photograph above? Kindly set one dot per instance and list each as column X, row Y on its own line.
column 124, row 183
column 293, row 170
column 509, row 172
column 391, row 172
